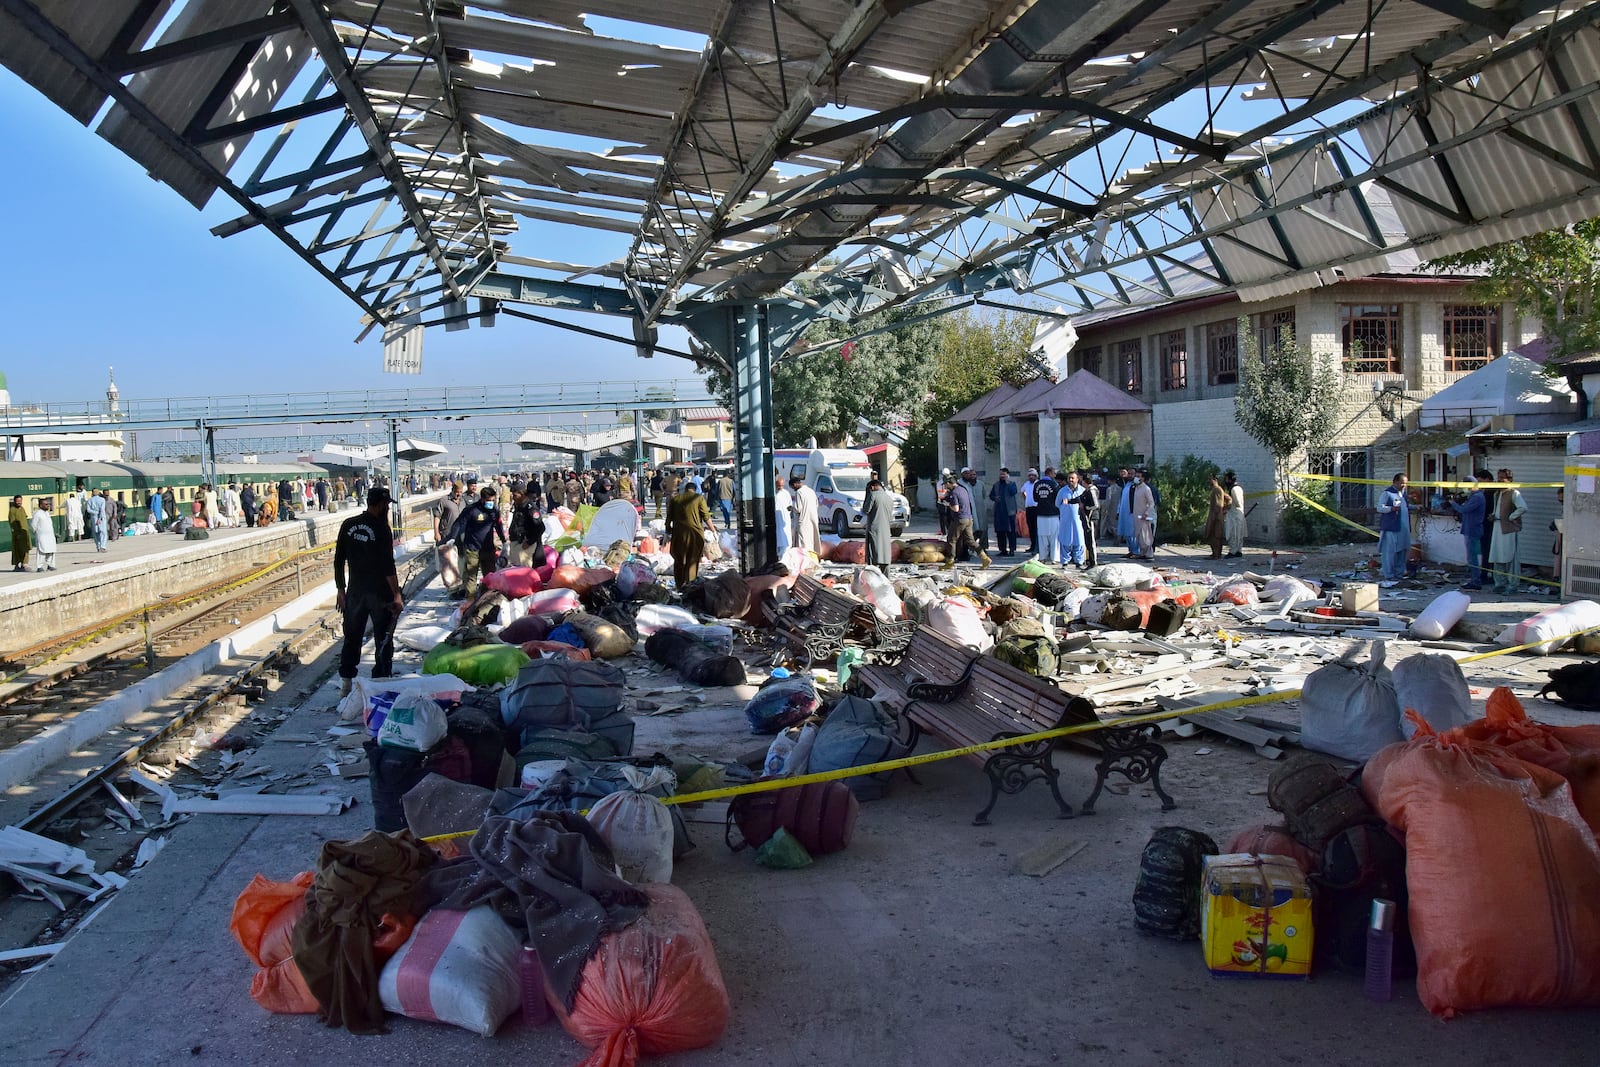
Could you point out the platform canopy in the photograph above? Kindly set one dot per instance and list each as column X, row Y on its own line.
column 835, row 156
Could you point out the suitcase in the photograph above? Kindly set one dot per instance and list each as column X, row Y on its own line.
column 1166, row 618
column 820, row 815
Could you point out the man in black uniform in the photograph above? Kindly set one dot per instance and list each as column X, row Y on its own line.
column 527, row 528
column 475, row 534
column 366, row 547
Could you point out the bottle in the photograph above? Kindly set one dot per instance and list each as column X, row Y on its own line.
column 530, row 970
column 1380, row 951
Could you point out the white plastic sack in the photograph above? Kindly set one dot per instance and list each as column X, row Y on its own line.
column 729, row 544
column 458, row 967
column 638, row 828
column 449, row 566
column 1432, row 685
column 1441, row 616
column 554, row 528
column 1349, row 709
column 918, row 595
column 654, row 617
column 1119, row 575
column 1286, row 587
column 421, row 638
column 571, row 557
column 1093, row 608
column 1552, row 627
column 713, row 550
column 790, row 751
column 415, row 722
column 357, row 706
column 959, row 621
column 795, row 560
column 512, row 609
column 870, row 585
column 1071, row 605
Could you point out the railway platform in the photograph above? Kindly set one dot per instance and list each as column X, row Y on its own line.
column 88, row 587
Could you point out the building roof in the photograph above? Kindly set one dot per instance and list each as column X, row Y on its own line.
column 1082, row 393
column 706, row 414
column 1510, row 385
column 978, row 409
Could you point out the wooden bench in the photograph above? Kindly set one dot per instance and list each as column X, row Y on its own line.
column 950, row 692
column 816, row 620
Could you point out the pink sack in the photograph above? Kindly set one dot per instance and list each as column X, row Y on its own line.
column 514, row 582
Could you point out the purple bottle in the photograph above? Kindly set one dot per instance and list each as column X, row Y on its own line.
column 530, row 970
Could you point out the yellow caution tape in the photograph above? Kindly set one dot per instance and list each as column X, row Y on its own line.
column 769, row 785
column 1580, row 472
column 1331, row 513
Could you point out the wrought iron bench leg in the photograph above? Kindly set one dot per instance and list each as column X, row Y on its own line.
column 1010, row 771
column 1134, row 753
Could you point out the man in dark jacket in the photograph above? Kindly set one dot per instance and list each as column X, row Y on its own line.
column 527, row 528
column 879, row 514
column 371, row 591
column 286, row 501
column 474, row 534
column 247, row 502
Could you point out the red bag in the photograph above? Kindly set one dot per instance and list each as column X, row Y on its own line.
column 514, row 582
column 537, row 649
column 263, row 920
column 1503, row 873
column 820, row 815
column 847, row 551
column 1571, row 751
column 1274, row 841
column 652, row 987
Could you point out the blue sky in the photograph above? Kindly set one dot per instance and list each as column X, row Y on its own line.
column 110, row 268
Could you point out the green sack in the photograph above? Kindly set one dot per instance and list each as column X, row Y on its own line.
column 783, row 853
column 849, row 658
column 1034, row 654
column 1031, row 569
column 552, row 744
column 483, row 665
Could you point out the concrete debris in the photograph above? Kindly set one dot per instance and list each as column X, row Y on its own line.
column 258, row 804
column 32, row 952
column 1042, row 859
column 147, row 850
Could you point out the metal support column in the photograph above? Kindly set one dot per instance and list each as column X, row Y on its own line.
column 752, row 419
column 638, row 446
column 394, row 478
column 208, row 456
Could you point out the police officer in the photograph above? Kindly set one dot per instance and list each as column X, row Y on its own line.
column 365, row 547
column 476, row 533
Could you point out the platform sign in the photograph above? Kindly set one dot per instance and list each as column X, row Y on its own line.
column 402, row 347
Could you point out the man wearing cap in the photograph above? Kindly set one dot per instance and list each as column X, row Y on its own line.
column 958, row 523
column 1030, row 509
column 878, row 510
column 370, row 591
column 1470, row 511
column 527, row 528
column 1004, row 495
column 1047, row 516
column 474, row 534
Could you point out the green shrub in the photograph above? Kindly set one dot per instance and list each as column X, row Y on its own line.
column 1303, row 524
column 1185, row 497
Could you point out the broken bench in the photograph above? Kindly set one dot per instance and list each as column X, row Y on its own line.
column 963, row 698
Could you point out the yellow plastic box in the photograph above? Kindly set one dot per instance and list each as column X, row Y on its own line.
column 1255, row 916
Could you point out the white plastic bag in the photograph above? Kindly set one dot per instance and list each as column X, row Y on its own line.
column 1119, row 575
column 1093, row 608
column 572, row 557
column 458, row 967
column 638, row 828
column 1441, row 616
column 421, row 638
column 1349, row 709
column 729, row 544
column 713, row 549
column 870, row 585
column 1071, row 605
column 539, row 773
column 958, row 620
column 415, row 722
column 357, row 706
column 1551, row 627
column 790, row 751
column 1433, row 686
column 1284, row 587
column 656, row 617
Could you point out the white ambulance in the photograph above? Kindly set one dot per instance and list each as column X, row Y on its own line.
column 839, row 477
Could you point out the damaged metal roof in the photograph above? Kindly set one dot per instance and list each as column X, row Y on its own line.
column 844, row 155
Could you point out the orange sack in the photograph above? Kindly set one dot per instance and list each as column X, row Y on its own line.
column 1571, row 751
column 1503, row 872
column 653, row 987
column 263, row 918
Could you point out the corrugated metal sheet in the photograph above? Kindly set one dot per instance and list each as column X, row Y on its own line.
column 91, row 26
column 176, row 91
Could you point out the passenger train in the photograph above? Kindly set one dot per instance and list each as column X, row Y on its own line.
column 131, row 484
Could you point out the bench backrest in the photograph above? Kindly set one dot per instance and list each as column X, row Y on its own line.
column 932, row 657
column 834, row 605
column 804, row 591
column 1014, row 697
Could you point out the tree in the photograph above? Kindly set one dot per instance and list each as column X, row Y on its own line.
column 1288, row 398
column 1554, row 275
column 976, row 353
column 882, row 378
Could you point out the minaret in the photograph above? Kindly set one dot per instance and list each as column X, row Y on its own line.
column 112, row 394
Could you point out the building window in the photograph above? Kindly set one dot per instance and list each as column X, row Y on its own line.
column 1471, row 337
column 1222, row 352
column 49, row 455
column 1175, row 360
column 1090, row 360
column 1276, row 328
column 1371, row 334
column 1350, row 497
column 1130, row 366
